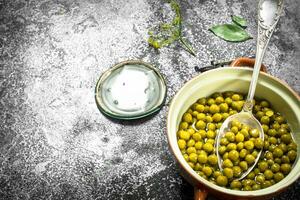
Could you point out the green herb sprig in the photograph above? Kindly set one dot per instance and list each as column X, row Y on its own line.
column 170, row 32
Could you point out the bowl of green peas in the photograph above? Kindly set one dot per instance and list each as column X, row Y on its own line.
column 196, row 114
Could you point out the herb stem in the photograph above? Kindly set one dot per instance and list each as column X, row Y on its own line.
column 187, row 47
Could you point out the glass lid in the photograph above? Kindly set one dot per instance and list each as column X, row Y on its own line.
column 130, row 90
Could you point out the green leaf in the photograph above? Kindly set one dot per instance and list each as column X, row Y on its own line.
column 239, row 21
column 230, row 32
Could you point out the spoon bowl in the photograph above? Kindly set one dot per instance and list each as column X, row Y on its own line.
column 245, row 118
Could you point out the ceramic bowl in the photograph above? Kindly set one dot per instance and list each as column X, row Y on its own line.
column 282, row 98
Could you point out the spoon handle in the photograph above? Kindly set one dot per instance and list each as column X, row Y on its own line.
column 269, row 12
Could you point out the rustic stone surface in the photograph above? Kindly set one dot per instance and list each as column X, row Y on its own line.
column 55, row 144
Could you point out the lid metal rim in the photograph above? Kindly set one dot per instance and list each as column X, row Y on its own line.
column 105, row 74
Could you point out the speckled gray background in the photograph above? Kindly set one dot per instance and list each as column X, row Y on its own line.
column 55, row 144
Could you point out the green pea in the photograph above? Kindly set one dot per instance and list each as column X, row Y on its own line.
column 249, row 145
column 200, row 108
column 268, row 174
column 243, row 153
column 233, row 155
column 292, row 146
column 222, row 180
column 225, row 116
column 230, row 136
column 269, row 156
column 222, row 150
column 272, row 140
column 240, row 146
column 285, row 159
column 202, row 158
column 208, row 119
column 292, row 154
column 228, row 172
column 260, row 114
column 266, row 144
column 265, row 120
column 256, row 171
column 224, row 141
column 201, row 116
column 286, row 138
column 196, row 136
column 285, row 168
column 264, row 104
column 191, row 143
column 277, row 160
column 254, row 133
column 183, row 125
column 239, row 137
column 235, row 97
column 275, row 168
column 266, row 184
column 235, row 184
column 280, row 119
column 272, row 147
column 243, row 165
column 217, row 173
column 256, row 187
column 260, row 179
column 181, row 144
column 191, row 150
column 198, row 145
column 265, row 128
column 186, row 157
column 198, row 167
column 245, row 132
column 210, row 134
column 193, row 157
column 278, row 177
column 236, row 171
column 251, row 175
column 250, row 159
column 247, row 182
column 202, row 101
column 283, row 147
column 200, row 125
column 227, row 163
column 212, row 159
column 224, row 107
column 263, row 166
column 270, row 162
column 208, row 147
column 255, row 153
column 272, row 132
column 187, row 117
column 214, row 109
column 192, row 165
column 184, row 135
column 277, row 152
column 259, row 143
column 234, row 129
column 207, row 171
column 217, row 117
column 276, row 126
column 225, row 156
column 231, row 146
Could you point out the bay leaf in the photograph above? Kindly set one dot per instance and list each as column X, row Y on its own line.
column 239, row 21
column 230, row 32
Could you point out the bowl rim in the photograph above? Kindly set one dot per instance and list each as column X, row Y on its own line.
column 201, row 180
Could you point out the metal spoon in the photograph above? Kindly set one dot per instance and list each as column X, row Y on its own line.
column 269, row 12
